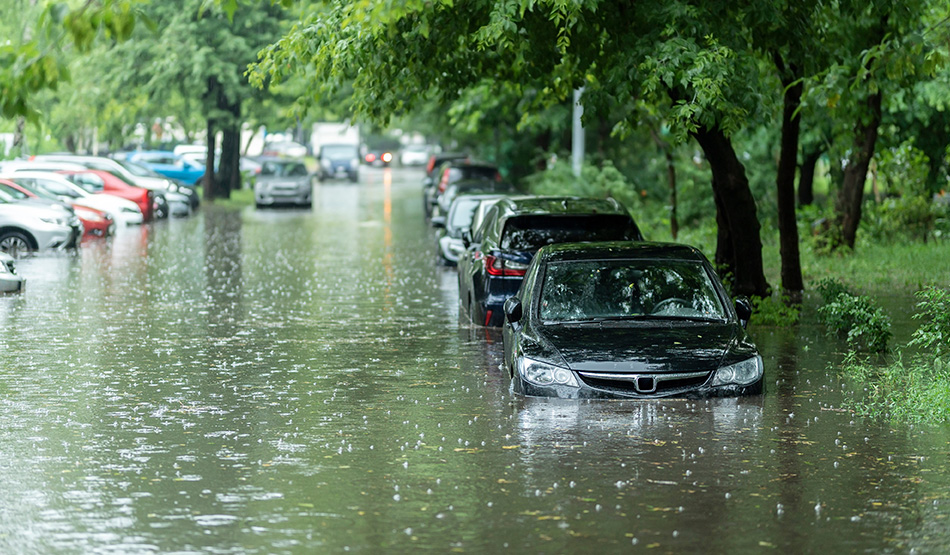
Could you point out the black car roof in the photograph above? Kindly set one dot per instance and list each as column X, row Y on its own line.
column 619, row 250
column 514, row 206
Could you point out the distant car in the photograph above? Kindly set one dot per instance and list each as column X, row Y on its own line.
column 452, row 171
column 339, row 161
column 627, row 320
column 124, row 212
column 10, row 281
column 458, row 220
column 414, row 155
column 27, row 227
column 283, row 181
column 498, row 252
column 171, row 165
column 288, row 149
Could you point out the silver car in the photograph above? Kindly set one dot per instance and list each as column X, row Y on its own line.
column 10, row 281
column 27, row 227
column 283, row 182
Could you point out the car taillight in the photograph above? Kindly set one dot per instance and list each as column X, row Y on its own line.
column 431, row 165
column 370, row 157
column 500, row 267
column 444, row 182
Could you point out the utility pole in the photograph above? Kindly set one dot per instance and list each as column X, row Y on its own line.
column 577, row 137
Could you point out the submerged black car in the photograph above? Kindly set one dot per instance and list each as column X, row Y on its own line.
column 627, row 319
column 498, row 252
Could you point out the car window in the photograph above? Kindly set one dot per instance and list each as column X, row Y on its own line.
column 529, row 233
column 13, row 192
column 57, row 188
column 88, row 181
column 460, row 216
column 338, row 152
column 476, row 172
column 479, row 235
column 582, row 290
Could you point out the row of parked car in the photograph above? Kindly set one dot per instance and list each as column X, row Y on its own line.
column 56, row 201
column 587, row 307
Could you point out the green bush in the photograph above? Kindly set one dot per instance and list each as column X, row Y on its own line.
column 934, row 333
column 864, row 324
column 774, row 311
column 914, row 392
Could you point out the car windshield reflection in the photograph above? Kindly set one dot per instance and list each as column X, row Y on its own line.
column 628, row 290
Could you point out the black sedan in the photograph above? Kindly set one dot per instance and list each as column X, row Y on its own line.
column 628, row 320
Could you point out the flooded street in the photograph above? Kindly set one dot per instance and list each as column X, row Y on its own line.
column 296, row 381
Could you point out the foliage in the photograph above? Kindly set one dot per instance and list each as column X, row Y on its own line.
column 775, row 311
column 934, row 333
column 918, row 391
column 858, row 318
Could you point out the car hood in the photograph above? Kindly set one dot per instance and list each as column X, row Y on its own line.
column 677, row 347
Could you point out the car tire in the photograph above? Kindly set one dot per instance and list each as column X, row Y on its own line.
column 14, row 243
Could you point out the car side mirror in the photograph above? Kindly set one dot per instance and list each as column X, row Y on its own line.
column 467, row 238
column 438, row 222
column 513, row 309
column 743, row 310
column 427, row 182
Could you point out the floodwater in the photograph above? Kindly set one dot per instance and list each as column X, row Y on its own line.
column 295, row 381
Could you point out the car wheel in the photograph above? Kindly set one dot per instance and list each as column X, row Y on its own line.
column 15, row 243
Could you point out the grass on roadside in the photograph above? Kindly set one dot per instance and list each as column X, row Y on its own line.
column 239, row 198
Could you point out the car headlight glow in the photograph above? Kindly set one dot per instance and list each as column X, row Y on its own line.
column 741, row 373
column 541, row 373
column 55, row 221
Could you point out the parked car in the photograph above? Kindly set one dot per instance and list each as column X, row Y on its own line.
column 414, row 155
column 151, row 203
column 180, row 200
column 27, row 226
column 173, row 166
column 498, row 252
column 458, row 220
column 452, row 171
column 288, row 149
column 10, row 281
column 339, row 160
column 283, row 181
column 627, row 319
column 122, row 211
column 471, row 187
column 95, row 223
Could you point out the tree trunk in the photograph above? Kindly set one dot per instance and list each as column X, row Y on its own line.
column 737, row 207
column 210, row 181
column 670, row 179
column 792, row 282
column 229, row 172
column 851, row 194
column 806, row 180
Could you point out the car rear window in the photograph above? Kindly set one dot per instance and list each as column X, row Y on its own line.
column 530, row 233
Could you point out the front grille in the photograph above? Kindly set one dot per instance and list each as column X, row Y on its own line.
column 653, row 385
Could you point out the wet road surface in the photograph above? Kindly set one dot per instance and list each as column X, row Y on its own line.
column 295, row 381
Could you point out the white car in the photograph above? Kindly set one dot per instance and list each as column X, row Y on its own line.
column 33, row 226
column 10, row 281
column 122, row 211
column 414, row 155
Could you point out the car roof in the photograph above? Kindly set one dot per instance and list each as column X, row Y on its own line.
column 523, row 205
column 619, row 250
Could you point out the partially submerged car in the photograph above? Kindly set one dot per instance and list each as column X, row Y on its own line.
column 627, row 320
column 460, row 219
column 10, row 281
column 339, row 160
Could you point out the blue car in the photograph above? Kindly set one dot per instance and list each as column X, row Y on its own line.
column 498, row 253
column 174, row 167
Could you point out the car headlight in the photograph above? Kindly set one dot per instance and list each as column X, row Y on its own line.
column 741, row 373
column 327, row 163
column 55, row 221
column 541, row 373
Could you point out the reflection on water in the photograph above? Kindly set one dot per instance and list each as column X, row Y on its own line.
column 296, row 381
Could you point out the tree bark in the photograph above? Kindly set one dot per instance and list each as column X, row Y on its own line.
column 851, row 194
column 792, row 282
column 736, row 206
column 806, row 179
column 209, row 182
column 670, row 179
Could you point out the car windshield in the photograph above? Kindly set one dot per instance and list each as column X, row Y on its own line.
column 596, row 290
column 530, row 233
column 13, row 192
column 338, row 152
column 283, row 169
column 136, row 169
column 460, row 216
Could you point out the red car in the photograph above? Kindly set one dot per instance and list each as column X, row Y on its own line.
column 95, row 223
column 103, row 181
